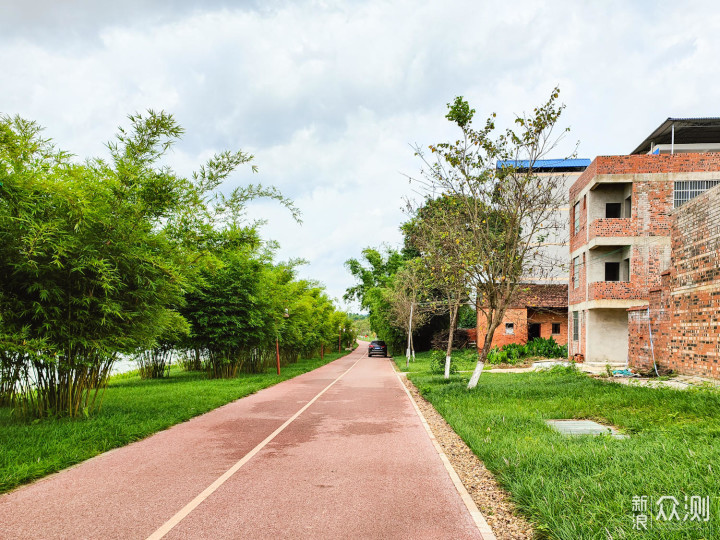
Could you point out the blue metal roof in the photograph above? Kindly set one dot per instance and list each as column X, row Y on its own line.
column 546, row 164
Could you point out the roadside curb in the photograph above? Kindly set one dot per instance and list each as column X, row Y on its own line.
column 482, row 525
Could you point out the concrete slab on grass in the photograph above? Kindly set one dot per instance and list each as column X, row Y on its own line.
column 583, row 427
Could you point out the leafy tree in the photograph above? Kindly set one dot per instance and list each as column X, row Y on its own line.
column 371, row 291
column 404, row 297
column 95, row 258
column 436, row 230
column 231, row 312
column 510, row 210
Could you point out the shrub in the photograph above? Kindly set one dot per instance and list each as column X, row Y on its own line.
column 513, row 353
column 437, row 362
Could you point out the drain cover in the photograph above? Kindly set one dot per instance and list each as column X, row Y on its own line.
column 583, row 427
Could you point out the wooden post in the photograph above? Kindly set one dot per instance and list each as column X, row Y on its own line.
column 277, row 350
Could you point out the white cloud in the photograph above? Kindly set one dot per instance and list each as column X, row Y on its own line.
column 330, row 95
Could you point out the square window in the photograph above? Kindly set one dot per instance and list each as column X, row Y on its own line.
column 556, row 328
column 612, row 271
column 612, row 210
column 509, row 328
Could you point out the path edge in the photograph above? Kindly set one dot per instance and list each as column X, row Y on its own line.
column 485, row 530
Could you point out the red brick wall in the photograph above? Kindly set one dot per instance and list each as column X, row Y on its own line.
column 652, row 206
column 521, row 317
column 685, row 310
column 612, row 227
column 643, row 164
column 517, row 316
column 601, row 290
column 640, row 350
column 546, row 319
column 578, row 237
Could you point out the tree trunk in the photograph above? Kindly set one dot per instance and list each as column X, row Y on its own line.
column 448, row 353
column 483, row 354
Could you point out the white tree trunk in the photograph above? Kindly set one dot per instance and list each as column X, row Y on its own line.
column 451, row 334
column 476, row 375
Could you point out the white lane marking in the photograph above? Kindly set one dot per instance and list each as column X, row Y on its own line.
column 189, row 507
column 486, row 531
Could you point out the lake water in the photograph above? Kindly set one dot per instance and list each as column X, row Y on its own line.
column 123, row 364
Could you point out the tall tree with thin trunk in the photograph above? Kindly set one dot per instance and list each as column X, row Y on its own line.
column 511, row 212
column 436, row 230
column 404, row 297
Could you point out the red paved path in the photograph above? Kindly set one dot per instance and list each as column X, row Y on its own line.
column 357, row 463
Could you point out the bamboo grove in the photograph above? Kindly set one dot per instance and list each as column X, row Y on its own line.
column 123, row 256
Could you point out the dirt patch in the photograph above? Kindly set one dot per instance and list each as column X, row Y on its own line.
column 490, row 498
column 511, row 366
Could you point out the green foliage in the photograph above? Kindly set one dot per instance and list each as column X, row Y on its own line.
column 546, row 348
column 467, row 317
column 437, row 362
column 98, row 259
column 514, row 353
column 246, row 306
column 374, row 280
column 86, row 268
column 495, row 221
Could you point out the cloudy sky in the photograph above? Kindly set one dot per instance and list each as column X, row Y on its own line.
column 330, row 95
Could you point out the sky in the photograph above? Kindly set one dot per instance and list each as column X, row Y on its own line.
column 332, row 96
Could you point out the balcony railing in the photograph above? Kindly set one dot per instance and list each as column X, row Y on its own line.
column 610, row 227
column 615, row 290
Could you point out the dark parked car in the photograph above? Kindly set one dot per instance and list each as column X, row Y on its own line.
column 377, row 347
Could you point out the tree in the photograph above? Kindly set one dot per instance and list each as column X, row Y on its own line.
column 371, row 291
column 436, row 230
column 510, row 211
column 95, row 258
column 404, row 297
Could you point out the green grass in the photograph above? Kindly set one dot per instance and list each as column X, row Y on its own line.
column 132, row 409
column 582, row 487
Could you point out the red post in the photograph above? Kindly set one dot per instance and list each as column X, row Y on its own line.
column 339, row 339
column 322, row 352
column 277, row 350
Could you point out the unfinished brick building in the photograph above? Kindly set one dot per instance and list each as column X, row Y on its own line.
column 623, row 223
column 679, row 328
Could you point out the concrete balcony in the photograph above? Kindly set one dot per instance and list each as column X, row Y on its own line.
column 615, row 290
column 612, row 228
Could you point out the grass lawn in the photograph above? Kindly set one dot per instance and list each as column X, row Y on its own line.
column 583, row 487
column 132, row 409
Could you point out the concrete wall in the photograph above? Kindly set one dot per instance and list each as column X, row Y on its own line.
column 607, row 193
column 599, row 256
column 577, row 346
column 607, row 338
column 552, row 255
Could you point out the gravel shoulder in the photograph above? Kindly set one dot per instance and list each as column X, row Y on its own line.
column 490, row 498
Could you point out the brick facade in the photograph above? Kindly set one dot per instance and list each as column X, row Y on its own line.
column 645, row 164
column 638, row 241
column 684, row 311
column 534, row 304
